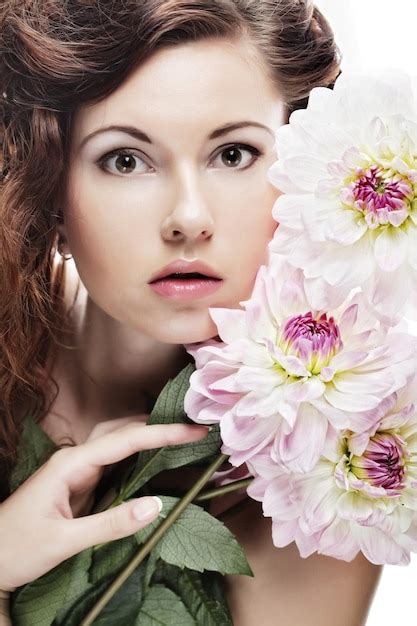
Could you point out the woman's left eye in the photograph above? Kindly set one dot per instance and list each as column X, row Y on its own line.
column 238, row 156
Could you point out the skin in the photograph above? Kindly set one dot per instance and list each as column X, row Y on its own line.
column 182, row 197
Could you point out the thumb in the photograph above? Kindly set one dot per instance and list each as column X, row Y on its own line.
column 118, row 522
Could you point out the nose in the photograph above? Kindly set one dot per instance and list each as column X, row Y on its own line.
column 189, row 218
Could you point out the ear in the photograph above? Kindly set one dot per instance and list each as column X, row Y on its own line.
column 62, row 236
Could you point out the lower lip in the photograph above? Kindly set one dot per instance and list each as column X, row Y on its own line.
column 186, row 289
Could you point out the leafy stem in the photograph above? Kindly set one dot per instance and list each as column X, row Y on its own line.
column 153, row 540
column 221, row 491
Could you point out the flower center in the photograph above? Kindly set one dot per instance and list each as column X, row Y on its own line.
column 314, row 341
column 381, row 196
column 383, row 462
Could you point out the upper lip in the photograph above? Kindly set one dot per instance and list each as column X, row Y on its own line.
column 184, row 267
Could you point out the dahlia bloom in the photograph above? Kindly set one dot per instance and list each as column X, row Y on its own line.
column 347, row 168
column 285, row 369
column 361, row 495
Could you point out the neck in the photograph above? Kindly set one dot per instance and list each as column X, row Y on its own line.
column 109, row 370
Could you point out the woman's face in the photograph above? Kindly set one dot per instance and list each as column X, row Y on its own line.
column 176, row 183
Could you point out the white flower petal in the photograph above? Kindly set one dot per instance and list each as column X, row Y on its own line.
column 306, row 171
column 231, row 323
column 349, row 402
column 390, row 248
column 346, row 227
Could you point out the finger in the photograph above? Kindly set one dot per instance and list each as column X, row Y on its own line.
column 124, row 442
column 116, row 523
column 108, row 426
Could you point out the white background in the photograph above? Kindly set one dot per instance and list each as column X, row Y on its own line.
column 371, row 34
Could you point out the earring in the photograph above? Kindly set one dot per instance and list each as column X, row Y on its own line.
column 66, row 257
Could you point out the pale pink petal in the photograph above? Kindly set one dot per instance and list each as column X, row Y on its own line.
column 247, row 433
column 337, row 541
column 303, row 390
column 347, row 360
column 283, row 533
column 379, row 548
column 338, row 418
column 264, row 380
column 297, row 451
column 412, row 246
column 255, row 403
column 278, row 501
column 320, row 506
column 257, row 488
column 348, row 319
column 259, row 322
column 387, row 293
column 307, row 543
column 201, row 381
column 291, row 364
column 358, row 442
column 333, row 444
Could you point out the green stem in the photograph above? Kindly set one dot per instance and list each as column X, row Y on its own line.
column 153, row 540
column 206, row 495
column 221, row 491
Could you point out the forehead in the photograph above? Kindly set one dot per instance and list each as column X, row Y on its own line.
column 195, row 84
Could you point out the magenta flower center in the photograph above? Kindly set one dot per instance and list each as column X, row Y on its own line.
column 383, row 462
column 314, row 341
column 381, row 196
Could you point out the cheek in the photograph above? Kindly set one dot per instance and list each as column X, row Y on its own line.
column 253, row 225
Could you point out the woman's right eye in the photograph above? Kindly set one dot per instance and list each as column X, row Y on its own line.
column 123, row 162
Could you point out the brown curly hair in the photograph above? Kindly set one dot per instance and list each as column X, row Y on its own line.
column 56, row 56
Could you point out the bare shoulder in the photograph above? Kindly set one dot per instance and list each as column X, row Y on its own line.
column 288, row 590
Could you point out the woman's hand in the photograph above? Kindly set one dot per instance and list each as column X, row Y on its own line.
column 38, row 529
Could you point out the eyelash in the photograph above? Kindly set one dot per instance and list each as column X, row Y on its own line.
column 128, row 152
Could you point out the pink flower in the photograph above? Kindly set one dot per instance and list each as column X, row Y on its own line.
column 285, row 370
column 361, row 495
column 347, row 168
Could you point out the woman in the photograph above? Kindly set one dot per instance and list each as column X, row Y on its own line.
column 138, row 135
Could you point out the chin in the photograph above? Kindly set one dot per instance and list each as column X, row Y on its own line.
column 191, row 331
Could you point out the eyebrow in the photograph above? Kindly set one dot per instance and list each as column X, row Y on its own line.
column 141, row 136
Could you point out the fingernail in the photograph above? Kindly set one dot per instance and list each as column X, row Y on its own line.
column 146, row 507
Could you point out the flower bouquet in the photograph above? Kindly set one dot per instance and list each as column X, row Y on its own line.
column 310, row 386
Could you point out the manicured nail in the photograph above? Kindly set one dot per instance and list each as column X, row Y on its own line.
column 146, row 507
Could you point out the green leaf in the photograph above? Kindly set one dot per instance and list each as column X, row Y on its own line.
column 162, row 607
column 74, row 614
column 35, row 448
column 151, row 565
column 169, row 408
column 124, row 606
column 38, row 602
column 197, row 540
column 110, row 557
column 202, row 593
column 79, row 581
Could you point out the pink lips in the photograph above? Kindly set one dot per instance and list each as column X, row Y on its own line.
column 171, row 281
column 186, row 288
